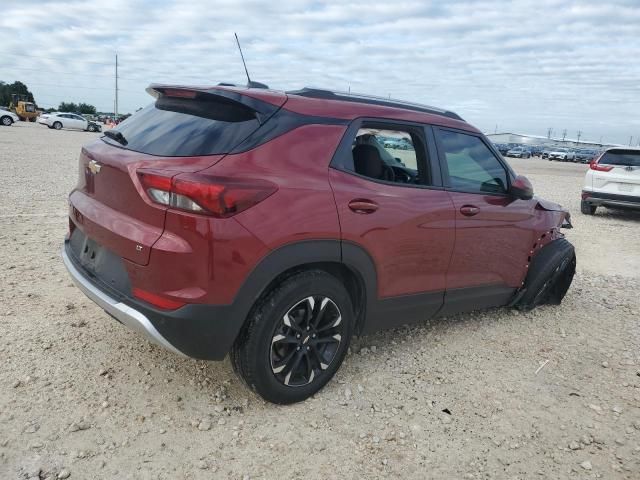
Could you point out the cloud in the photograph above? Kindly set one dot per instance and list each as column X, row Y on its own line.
column 524, row 65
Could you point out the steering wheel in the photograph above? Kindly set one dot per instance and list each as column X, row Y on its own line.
column 388, row 174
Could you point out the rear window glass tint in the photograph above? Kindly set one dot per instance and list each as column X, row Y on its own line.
column 628, row 158
column 184, row 127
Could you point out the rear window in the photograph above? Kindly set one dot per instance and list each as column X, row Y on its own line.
column 627, row 158
column 185, row 127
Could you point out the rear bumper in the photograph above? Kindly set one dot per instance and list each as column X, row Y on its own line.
column 611, row 200
column 126, row 315
column 200, row 331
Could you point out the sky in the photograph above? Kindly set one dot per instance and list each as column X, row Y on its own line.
column 519, row 66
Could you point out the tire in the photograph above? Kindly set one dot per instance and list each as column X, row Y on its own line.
column 91, row 128
column 32, row 119
column 261, row 360
column 6, row 121
column 57, row 125
column 550, row 275
column 587, row 208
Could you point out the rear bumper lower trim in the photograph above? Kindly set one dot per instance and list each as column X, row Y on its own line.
column 611, row 199
column 123, row 313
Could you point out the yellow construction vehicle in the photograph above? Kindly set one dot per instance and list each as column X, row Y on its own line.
column 26, row 110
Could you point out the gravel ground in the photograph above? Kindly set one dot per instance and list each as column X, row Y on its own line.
column 553, row 393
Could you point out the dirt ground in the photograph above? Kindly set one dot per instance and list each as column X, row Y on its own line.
column 551, row 394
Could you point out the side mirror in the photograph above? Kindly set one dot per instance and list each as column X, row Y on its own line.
column 521, row 188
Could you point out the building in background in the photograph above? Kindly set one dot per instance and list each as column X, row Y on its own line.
column 517, row 138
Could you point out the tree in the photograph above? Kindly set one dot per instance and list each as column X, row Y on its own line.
column 8, row 89
column 67, row 107
column 86, row 109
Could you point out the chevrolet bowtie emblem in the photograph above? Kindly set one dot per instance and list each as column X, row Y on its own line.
column 94, row 167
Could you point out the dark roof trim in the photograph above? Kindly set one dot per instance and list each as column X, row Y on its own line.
column 371, row 100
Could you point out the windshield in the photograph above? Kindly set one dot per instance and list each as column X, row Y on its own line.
column 627, row 158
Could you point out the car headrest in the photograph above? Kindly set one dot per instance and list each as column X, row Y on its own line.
column 367, row 161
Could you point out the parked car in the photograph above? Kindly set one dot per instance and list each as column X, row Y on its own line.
column 7, row 117
column 536, row 151
column 519, row 152
column 502, row 148
column 42, row 118
column 613, row 180
column 586, row 155
column 397, row 144
column 562, row 154
column 70, row 120
column 191, row 223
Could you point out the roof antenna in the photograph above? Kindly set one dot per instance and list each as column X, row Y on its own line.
column 250, row 83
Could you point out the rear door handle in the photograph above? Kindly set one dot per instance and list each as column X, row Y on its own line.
column 469, row 210
column 363, row 206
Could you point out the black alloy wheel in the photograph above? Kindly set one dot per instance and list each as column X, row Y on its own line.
column 296, row 337
column 306, row 340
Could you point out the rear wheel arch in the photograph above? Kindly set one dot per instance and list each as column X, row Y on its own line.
column 345, row 261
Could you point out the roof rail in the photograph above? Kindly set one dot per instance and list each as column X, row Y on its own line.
column 312, row 92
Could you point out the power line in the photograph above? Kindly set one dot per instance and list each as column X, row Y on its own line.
column 58, row 72
column 140, row 70
column 77, row 86
column 51, row 58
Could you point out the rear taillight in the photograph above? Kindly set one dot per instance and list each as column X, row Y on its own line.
column 600, row 168
column 220, row 197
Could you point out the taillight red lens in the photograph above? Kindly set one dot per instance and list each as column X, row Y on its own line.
column 157, row 300
column 220, row 197
column 600, row 168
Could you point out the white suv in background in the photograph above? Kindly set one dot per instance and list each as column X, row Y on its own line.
column 563, row 154
column 613, row 180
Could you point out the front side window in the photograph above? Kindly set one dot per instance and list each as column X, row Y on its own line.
column 387, row 154
column 472, row 166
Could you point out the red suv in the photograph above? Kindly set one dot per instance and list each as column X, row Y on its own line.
column 273, row 226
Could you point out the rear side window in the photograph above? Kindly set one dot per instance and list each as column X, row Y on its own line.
column 627, row 158
column 185, row 127
column 472, row 166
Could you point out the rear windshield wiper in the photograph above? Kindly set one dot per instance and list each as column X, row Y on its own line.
column 117, row 136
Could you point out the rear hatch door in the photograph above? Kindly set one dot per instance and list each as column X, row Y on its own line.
column 624, row 176
column 184, row 130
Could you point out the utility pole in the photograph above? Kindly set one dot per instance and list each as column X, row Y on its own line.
column 549, row 132
column 579, row 134
column 116, row 102
column 564, row 134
